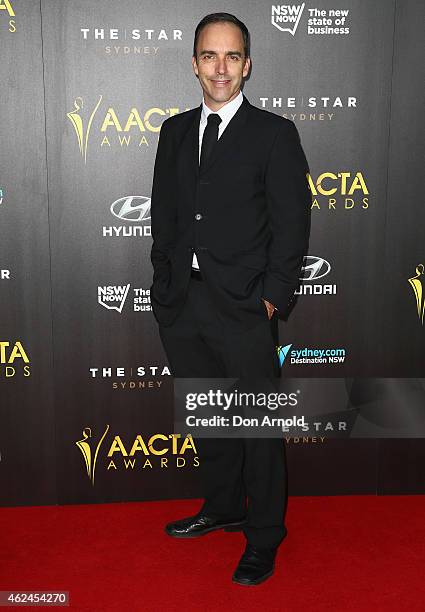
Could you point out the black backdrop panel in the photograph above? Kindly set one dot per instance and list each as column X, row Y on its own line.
column 401, row 462
column 402, row 316
column 89, row 83
column 27, row 466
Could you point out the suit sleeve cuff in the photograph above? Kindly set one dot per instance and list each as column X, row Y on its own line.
column 278, row 293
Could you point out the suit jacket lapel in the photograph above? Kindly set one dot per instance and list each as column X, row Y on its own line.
column 233, row 129
column 188, row 162
column 193, row 141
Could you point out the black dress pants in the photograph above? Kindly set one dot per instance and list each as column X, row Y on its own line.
column 233, row 470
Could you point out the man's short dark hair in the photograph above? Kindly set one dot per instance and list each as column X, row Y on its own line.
column 222, row 18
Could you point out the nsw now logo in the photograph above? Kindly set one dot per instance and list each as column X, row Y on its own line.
column 113, row 297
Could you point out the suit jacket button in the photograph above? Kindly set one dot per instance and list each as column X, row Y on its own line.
column 198, row 216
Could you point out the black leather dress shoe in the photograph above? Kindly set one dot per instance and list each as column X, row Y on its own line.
column 255, row 565
column 200, row 524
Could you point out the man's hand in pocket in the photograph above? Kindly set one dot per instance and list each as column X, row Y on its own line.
column 270, row 308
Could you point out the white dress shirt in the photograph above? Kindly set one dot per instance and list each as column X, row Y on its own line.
column 226, row 113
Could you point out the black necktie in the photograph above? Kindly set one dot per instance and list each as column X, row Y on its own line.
column 209, row 138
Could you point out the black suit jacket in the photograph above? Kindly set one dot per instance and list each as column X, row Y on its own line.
column 247, row 216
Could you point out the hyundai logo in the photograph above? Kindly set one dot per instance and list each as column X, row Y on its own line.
column 314, row 268
column 132, row 208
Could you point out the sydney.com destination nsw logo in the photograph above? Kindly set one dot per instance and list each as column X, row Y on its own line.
column 308, row 356
column 157, row 451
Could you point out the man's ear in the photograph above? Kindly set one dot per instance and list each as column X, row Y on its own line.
column 194, row 65
column 246, row 66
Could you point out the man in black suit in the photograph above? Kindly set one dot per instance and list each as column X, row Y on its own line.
column 230, row 228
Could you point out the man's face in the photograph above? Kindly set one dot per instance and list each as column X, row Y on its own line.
column 220, row 63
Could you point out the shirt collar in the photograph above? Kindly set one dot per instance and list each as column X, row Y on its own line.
column 226, row 112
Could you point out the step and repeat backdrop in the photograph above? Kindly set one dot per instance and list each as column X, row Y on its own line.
column 86, row 394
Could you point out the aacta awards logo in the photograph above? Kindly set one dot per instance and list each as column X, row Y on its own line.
column 417, row 283
column 14, row 360
column 339, row 191
column 156, row 451
column 132, row 127
column 6, row 5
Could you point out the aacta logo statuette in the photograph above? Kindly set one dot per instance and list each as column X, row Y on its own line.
column 417, row 283
column 77, row 121
column 90, row 452
column 6, row 5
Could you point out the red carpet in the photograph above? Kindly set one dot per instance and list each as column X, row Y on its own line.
column 341, row 553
